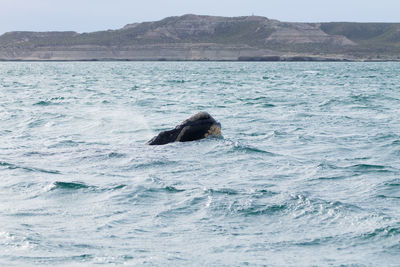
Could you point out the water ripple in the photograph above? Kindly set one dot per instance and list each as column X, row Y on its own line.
column 307, row 172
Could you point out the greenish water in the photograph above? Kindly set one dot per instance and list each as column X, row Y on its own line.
column 307, row 173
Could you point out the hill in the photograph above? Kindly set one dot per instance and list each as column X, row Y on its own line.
column 193, row 37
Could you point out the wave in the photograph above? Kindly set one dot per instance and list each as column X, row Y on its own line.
column 226, row 191
column 176, row 81
column 389, row 190
column 355, row 168
column 396, row 142
column 393, row 183
column 66, row 186
column 259, row 101
column 42, row 103
column 66, row 143
column 69, row 185
column 363, row 99
column 315, row 241
column 388, row 197
column 151, row 164
column 48, row 102
column 233, row 192
column 366, row 168
column 143, row 192
column 382, row 232
column 54, row 260
column 12, row 166
column 167, row 189
column 116, row 155
column 330, row 102
column 337, row 177
column 262, row 210
column 238, row 147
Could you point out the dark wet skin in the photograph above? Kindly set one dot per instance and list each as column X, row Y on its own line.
column 196, row 127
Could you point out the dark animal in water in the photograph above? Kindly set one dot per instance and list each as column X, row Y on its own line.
column 197, row 127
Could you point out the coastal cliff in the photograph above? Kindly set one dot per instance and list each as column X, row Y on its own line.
column 193, row 37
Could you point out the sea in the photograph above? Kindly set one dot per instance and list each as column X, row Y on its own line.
column 307, row 172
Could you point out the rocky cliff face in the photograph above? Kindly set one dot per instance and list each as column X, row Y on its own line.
column 301, row 33
column 192, row 37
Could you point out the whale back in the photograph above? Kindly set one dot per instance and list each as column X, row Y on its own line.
column 199, row 126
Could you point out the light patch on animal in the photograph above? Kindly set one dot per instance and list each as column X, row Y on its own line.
column 181, row 134
column 214, row 130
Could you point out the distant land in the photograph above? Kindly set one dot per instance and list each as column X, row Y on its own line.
column 194, row 37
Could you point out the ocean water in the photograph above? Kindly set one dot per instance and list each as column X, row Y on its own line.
column 307, row 171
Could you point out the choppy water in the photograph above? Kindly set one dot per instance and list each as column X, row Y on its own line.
column 308, row 171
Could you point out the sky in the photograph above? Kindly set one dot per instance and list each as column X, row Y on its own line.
column 94, row 15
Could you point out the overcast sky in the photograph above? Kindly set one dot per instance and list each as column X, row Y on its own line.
column 92, row 15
